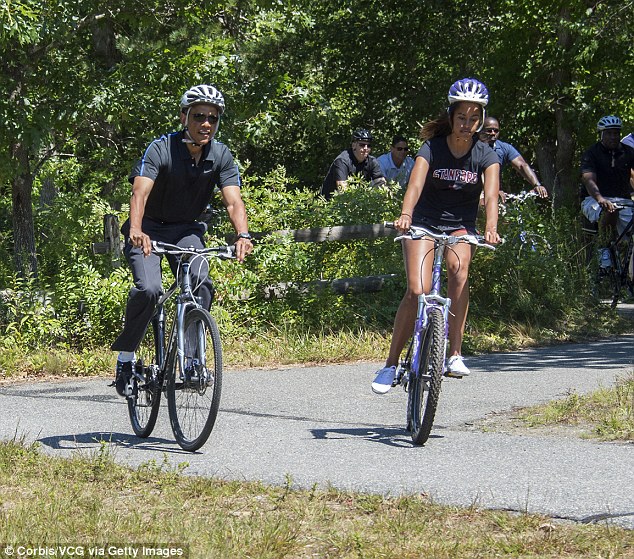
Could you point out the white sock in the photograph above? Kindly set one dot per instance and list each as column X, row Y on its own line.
column 125, row 356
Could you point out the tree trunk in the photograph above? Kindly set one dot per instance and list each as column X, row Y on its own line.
column 545, row 155
column 564, row 187
column 23, row 233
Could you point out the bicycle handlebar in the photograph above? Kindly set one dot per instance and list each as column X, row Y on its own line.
column 623, row 204
column 416, row 233
column 521, row 197
column 226, row 252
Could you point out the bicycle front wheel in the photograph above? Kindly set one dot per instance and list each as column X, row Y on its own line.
column 144, row 402
column 424, row 384
column 193, row 394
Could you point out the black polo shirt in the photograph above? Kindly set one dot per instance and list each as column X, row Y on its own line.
column 611, row 167
column 346, row 165
column 182, row 190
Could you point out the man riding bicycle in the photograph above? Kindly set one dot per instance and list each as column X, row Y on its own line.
column 172, row 184
column 607, row 172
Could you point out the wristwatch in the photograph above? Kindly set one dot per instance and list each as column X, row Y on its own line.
column 246, row 235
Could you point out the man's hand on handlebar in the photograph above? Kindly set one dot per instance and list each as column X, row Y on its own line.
column 140, row 240
column 606, row 204
column 540, row 191
column 243, row 248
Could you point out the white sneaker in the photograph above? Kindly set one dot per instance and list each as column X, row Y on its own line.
column 456, row 367
column 383, row 380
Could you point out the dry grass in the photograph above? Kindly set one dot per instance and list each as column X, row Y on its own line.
column 91, row 500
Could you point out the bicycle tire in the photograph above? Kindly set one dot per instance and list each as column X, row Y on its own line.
column 193, row 395
column 423, row 393
column 144, row 403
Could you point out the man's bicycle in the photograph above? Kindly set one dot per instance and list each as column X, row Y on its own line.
column 421, row 372
column 616, row 260
column 186, row 364
column 512, row 212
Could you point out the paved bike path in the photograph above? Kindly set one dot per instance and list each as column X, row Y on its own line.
column 323, row 425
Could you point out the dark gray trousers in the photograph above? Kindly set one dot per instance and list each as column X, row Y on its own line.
column 148, row 283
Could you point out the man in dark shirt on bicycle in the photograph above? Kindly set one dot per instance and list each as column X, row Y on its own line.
column 607, row 172
column 356, row 160
column 172, row 184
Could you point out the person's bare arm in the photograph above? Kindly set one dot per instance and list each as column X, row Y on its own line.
column 491, row 195
column 589, row 180
column 527, row 173
column 232, row 200
column 141, row 188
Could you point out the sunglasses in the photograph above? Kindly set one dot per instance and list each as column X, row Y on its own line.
column 363, row 145
column 401, row 149
column 491, row 129
column 202, row 117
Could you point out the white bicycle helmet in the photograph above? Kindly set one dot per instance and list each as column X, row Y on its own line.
column 468, row 89
column 207, row 94
column 609, row 122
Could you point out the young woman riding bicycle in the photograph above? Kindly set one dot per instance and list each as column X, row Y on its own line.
column 443, row 193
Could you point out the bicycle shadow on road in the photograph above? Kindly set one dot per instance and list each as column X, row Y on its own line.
column 390, row 436
column 602, row 354
column 91, row 441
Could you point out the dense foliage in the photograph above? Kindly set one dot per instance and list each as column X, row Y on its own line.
column 90, row 83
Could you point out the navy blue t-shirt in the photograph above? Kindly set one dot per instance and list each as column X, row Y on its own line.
column 182, row 190
column 452, row 189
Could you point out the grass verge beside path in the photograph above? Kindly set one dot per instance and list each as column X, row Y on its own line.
column 606, row 414
column 93, row 501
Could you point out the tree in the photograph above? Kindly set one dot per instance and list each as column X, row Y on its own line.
column 80, row 77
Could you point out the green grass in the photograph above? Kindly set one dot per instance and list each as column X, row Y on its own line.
column 91, row 500
column 607, row 413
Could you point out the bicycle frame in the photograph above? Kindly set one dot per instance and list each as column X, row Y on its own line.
column 428, row 301
column 434, row 299
column 184, row 301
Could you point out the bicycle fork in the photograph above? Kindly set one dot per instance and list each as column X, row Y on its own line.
column 426, row 303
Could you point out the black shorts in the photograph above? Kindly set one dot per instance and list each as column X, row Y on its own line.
column 438, row 226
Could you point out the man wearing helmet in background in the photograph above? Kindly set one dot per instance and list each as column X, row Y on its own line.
column 172, row 184
column 451, row 169
column 356, row 160
column 607, row 172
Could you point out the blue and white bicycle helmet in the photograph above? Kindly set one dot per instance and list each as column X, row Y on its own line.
column 206, row 94
column 468, row 89
column 609, row 122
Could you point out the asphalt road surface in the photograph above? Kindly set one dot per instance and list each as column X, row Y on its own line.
column 324, row 426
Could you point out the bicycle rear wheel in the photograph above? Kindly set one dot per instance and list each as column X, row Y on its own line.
column 193, row 395
column 144, row 402
column 424, row 384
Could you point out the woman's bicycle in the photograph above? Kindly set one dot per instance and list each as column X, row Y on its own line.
column 421, row 372
column 186, row 364
column 616, row 262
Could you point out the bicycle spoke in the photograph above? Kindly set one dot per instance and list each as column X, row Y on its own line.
column 143, row 404
column 194, row 392
column 424, row 385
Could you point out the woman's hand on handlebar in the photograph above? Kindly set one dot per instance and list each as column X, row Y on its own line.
column 403, row 223
column 491, row 236
column 140, row 240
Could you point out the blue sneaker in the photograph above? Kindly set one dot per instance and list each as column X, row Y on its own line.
column 384, row 380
